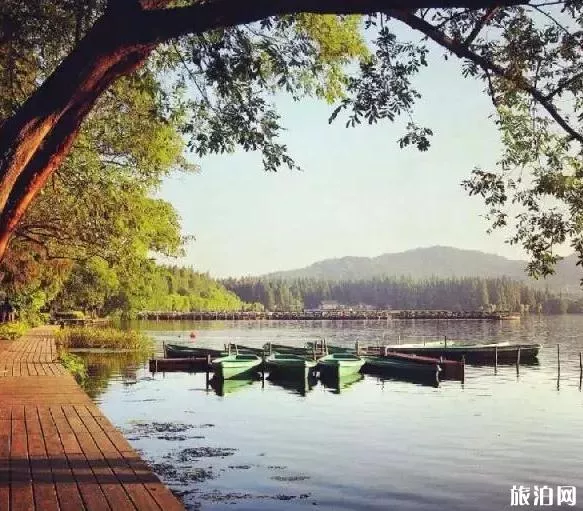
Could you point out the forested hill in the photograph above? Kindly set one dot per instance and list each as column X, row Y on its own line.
column 467, row 293
column 438, row 261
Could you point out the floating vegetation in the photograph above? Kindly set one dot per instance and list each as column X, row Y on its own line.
column 290, row 478
column 193, row 453
column 151, row 428
column 182, row 475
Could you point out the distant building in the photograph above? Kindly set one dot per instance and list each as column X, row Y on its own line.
column 365, row 307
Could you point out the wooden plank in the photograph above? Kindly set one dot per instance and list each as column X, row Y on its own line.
column 112, row 488
column 45, row 495
column 66, row 486
column 5, row 432
column 138, row 493
column 21, row 496
column 85, row 478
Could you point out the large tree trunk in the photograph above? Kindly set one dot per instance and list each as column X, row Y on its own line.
column 39, row 136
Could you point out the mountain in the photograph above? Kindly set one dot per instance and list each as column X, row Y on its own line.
column 436, row 261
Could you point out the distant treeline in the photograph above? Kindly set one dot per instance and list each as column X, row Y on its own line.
column 401, row 293
column 94, row 288
column 183, row 289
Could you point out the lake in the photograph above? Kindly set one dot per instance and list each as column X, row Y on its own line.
column 372, row 444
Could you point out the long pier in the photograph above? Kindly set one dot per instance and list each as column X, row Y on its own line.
column 336, row 315
column 58, row 452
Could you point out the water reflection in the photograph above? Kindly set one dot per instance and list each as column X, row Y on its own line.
column 223, row 387
column 300, row 386
column 396, row 444
column 104, row 367
column 338, row 384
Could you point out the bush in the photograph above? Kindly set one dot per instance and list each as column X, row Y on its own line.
column 108, row 338
column 12, row 330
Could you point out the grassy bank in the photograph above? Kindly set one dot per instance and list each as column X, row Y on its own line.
column 103, row 338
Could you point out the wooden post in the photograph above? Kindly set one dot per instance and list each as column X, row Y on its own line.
column 164, row 348
column 518, row 360
column 445, row 341
column 357, row 348
column 314, row 350
column 495, row 359
column 580, row 364
column 518, row 356
column 558, row 360
column 463, row 368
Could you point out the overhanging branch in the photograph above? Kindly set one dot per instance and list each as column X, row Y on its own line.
column 463, row 52
column 158, row 25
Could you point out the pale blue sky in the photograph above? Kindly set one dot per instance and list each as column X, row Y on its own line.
column 358, row 194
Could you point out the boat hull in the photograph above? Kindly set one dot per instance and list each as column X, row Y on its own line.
column 179, row 351
column 478, row 354
column 339, row 367
column 289, row 365
column 402, row 368
column 236, row 366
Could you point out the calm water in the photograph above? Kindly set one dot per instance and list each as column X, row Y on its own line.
column 375, row 445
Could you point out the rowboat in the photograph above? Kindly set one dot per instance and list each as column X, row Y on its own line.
column 181, row 351
column 450, row 369
column 340, row 364
column 410, row 369
column 233, row 366
column 289, row 364
column 472, row 353
column 309, row 350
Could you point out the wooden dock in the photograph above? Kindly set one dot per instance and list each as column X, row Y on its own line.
column 57, row 450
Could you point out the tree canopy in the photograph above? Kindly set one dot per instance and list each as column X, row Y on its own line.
column 98, row 100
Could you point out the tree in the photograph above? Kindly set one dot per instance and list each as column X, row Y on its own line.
column 235, row 54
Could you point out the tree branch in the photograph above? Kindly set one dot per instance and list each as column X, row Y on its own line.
column 480, row 25
column 158, row 25
column 563, row 85
column 461, row 51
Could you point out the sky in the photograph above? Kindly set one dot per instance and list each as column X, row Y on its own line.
column 357, row 194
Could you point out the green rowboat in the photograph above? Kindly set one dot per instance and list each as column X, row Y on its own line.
column 233, row 366
column 340, row 364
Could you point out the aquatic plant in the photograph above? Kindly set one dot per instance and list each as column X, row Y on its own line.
column 104, row 338
column 74, row 364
